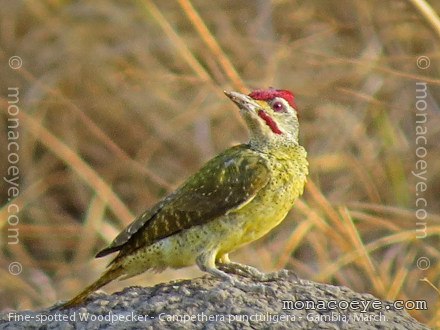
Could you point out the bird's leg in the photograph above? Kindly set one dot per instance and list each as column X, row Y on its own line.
column 206, row 263
column 225, row 264
column 236, row 268
column 248, row 271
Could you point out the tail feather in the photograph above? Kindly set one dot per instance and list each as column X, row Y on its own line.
column 111, row 274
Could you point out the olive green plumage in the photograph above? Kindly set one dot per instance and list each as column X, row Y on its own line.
column 236, row 198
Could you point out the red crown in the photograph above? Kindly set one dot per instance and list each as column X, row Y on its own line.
column 271, row 93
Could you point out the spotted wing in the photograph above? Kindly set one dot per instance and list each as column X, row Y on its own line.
column 224, row 184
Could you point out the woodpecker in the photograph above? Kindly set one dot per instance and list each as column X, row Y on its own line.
column 234, row 199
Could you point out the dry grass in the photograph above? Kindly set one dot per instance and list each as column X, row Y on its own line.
column 121, row 101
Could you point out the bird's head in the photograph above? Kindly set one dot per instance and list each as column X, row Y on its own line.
column 270, row 115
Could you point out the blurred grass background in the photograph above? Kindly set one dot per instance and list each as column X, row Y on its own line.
column 122, row 100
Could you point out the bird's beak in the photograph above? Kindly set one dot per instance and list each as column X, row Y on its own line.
column 243, row 101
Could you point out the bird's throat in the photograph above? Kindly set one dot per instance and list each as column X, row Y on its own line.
column 269, row 122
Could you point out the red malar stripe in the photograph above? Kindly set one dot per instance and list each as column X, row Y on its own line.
column 269, row 122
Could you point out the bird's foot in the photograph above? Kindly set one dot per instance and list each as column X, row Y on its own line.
column 280, row 274
column 252, row 272
column 253, row 287
column 231, row 281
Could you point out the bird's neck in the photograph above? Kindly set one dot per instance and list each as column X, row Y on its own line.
column 273, row 146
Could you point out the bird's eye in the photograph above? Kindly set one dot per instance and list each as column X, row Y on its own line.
column 278, row 106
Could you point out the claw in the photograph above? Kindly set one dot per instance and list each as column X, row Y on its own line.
column 253, row 273
column 246, row 287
